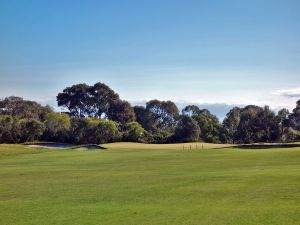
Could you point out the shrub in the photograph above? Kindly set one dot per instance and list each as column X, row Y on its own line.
column 6, row 129
column 57, row 127
column 187, row 130
column 93, row 131
column 29, row 129
column 134, row 132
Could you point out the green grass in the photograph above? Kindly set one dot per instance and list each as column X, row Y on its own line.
column 138, row 184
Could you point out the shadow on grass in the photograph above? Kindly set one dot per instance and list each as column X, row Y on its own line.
column 266, row 146
column 54, row 145
column 89, row 147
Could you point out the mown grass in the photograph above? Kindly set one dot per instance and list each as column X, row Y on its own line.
column 130, row 183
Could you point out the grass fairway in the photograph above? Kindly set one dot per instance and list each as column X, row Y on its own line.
column 138, row 184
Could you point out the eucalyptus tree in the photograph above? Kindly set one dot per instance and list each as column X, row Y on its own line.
column 296, row 116
column 231, row 123
column 145, row 118
column 211, row 129
column 83, row 100
column 57, row 127
column 100, row 99
column 19, row 108
column 121, row 112
column 75, row 99
column 165, row 114
column 187, row 130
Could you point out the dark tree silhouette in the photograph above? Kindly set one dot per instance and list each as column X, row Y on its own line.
column 187, row 130
column 121, row 112
column 75, row 99
column 165, row 114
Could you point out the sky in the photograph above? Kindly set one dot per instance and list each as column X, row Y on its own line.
column 216, row 54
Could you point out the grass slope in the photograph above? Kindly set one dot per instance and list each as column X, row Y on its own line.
column 140, row 184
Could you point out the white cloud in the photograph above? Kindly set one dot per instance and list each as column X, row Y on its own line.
column 291, row 93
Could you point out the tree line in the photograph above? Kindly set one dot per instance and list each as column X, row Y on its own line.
column 96, row 114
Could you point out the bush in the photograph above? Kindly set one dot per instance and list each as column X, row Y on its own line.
column 134, row 132
column 92, row 131
column 29, row 129
column 104, row 131
column 187, row 130
column 162, row 137
column 57, row 127
column 6, row 129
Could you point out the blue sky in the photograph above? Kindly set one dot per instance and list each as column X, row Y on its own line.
column 204, row 52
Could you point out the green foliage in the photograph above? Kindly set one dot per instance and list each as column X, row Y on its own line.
column 164, row 114
column 75, row 99
column 83, row 100
column 191, row 110
column 92, row 131
column 30, row 129
column 187, row 130
column 98, row 115
column 295, row 117
column 231, row 123
column 159, row 119
column 162, row 137
column 105, row 131
column 57, row 127
column 19, row 108
column 7, row 134
column 252, row 124
column 22, row 130
column 134, row 132
column 145, row 118
column 121, row 112
column 211, row 129
column 100, row 100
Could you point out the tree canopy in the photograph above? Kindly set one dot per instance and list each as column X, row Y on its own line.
column 83, row 100
column 96, row 114
column 187, row 130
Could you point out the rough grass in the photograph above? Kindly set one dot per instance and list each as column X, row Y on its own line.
column 138, row 184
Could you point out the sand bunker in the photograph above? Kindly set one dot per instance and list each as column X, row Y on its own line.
column 51, row 145
column 89, row 147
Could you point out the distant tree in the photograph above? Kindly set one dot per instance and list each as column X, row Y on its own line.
column 134, row 132
column 245, row 131
column 83, row 100
column 283, row 123
column 187, row 130
column 211, row 129
column 231, row 123
column 30, row 130
column 257, row 124
column 145, row 118
column 267, row 126
column 207, row 123
column 75, row 99
column 57, row 127
column 96, row 114
column 92, row 130
column 220, row 134
column 7, row 129
column 101, row 99
column 165, row 114
column 79, row 130
column 295, row 117
column 105, row 131
column 290, row 124
column 191, row 110
column 121, row 112
column 19, row 108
